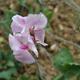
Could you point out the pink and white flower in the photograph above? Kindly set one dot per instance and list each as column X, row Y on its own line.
column 27, row 31
column 21, row 44
column 35, row 23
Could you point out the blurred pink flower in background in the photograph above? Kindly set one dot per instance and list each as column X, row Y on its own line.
column 27, row 31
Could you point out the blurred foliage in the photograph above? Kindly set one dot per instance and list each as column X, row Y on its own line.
column 7, row 74
column 23, row 77
column 48, row 13
column 22, row 2
column 73, row 5
column 62, row 58
column 77, row 20
column 65, row 63
column 6, row 21
column 76, row 8
column 72, row 70
column 9, row 67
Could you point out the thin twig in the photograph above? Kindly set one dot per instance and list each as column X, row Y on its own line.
column 66, row 41
column 73, row 5
column 63, row 40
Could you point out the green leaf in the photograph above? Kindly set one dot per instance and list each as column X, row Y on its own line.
column 7, row 74
column 48, row 13
column 1, row 55
column 6, row 21
column 23, row 77
column 10, row 64
column 59, row 77
column 70, row 70
column 62, row 58
column 22, row 2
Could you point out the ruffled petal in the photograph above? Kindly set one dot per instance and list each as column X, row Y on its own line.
column 16, row 28
column 24, row 57
column 36, row 20
column 20, row 20
column 14, row 43
column 22, row 37
column 39, row 36
column 18, row 23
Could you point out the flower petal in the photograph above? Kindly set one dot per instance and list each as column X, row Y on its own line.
column 32, row 45
column 26, row 39
column 39, row 36
column 24, row 57
column 19, row 20
column 15, row 27
column 36, row 20
column 18, row 23
column 22, row 37
column 14, row 43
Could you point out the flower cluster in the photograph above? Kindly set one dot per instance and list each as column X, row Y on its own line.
column 27, row 32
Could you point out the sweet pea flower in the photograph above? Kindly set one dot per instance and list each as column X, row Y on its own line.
column 22, row 44
column 18, row 23
column 35, row 23
column 27, row 31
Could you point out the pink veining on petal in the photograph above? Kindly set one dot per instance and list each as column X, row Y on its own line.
column 23, row 46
